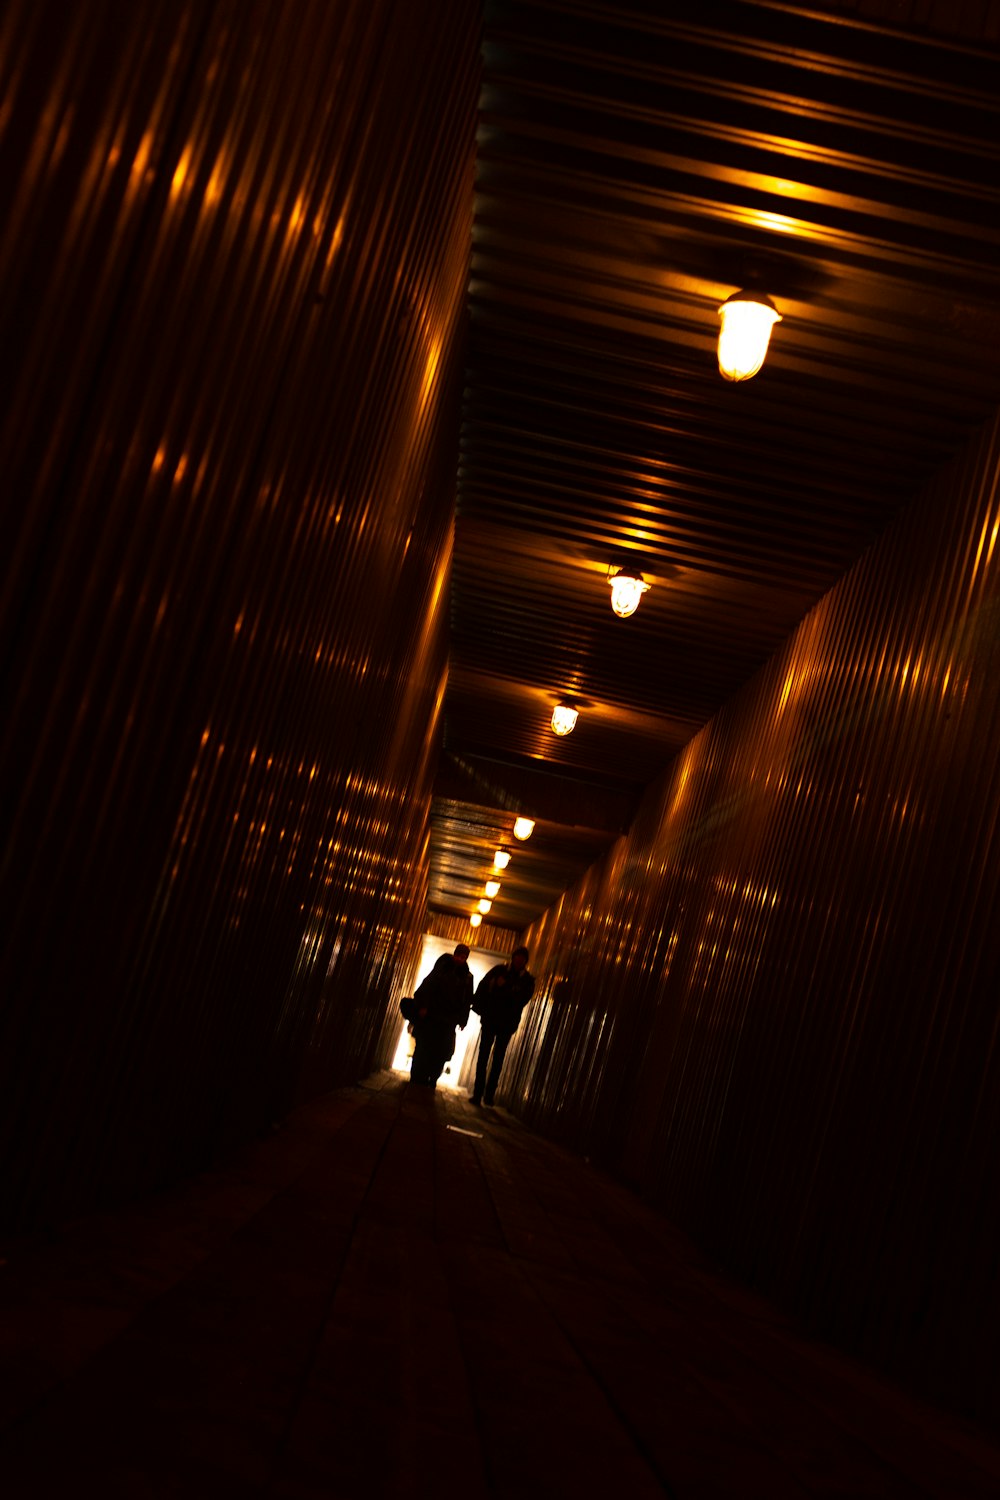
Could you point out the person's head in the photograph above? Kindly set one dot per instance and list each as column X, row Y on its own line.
column 519, row 958
column 461, row 954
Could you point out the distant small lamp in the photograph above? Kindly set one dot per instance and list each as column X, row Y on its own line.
column 627, row 588
column 484, row 905
column 564, row 719
column 524, row 828
column 501, row 859
column 747, row 320
column 492, row 888
column 476, row 920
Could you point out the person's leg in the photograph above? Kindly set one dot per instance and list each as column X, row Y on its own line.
column 499, row 1048
column 445, row 1048
column 486, row 1038
column 420, row 1063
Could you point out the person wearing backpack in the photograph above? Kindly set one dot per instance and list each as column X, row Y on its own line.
column 440, row 1003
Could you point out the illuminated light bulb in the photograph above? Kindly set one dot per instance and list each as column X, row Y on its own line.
column 501, row 859
column 524, row 828
column 564, row 719
column 485, row 905
column 747, row 320
column 626, row 591
column 492, row 888
column 476, row 919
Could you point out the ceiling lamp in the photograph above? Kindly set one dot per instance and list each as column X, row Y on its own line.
column 747, row 320
column 564, row 719
column 476, row 920
column 627, row 588
column 492, row 888
column 524, row 828
column 501, row 859
column 484, row 905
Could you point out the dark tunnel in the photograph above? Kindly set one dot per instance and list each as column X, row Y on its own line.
column 349, row 347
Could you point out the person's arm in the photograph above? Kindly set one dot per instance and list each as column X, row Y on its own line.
column 484, row 989
column 466, row 1005
column 487, row 981
column 524, row 992
column 425, row 991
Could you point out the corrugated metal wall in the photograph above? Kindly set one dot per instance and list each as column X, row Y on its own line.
column 233, row 259
column 457, row 930
column 774, row 1006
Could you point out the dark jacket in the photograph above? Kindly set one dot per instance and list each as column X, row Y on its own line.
column 502, row 995
column 445, row 994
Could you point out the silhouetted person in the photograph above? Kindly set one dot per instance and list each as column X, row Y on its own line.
column 440, row 1003
column 501, row 997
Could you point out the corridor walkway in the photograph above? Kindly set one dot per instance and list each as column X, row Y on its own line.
column 399, row 1295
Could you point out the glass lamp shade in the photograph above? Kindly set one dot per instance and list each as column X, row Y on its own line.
column 747, row 320
column 564, row 719
column 524, row 828
column 501, row 859
column 492, row 888
column 476, row 919
column 484, row 905
column 626, row 591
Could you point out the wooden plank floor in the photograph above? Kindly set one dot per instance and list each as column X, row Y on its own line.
column 399, row 1295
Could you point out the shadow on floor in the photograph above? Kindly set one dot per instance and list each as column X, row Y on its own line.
column 400, row 1295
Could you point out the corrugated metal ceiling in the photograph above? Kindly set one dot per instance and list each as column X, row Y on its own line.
column 636, row 166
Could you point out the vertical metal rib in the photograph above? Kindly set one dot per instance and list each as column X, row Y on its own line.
column 232, row 269
column 773, row 1006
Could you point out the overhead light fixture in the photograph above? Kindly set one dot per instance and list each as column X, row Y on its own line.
column 627, row 588
column 564, row 718
column 476, row 920
column 524, row 828
column 484, row 905
column 492, row 888
column 501, row 859
column 747, row 320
